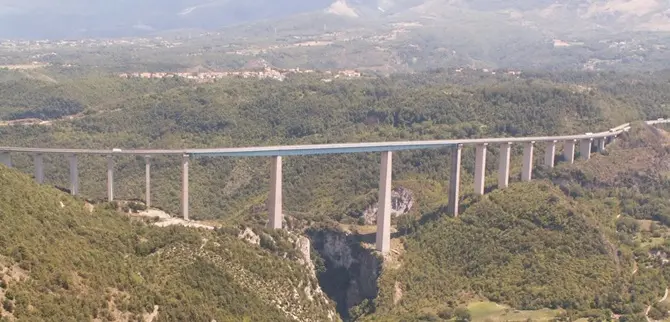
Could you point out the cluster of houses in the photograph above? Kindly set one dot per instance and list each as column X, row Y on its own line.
column 264, row 73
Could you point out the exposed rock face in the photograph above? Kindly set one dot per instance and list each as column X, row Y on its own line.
column 402, row 201
column 351, row 270
column 249, row 236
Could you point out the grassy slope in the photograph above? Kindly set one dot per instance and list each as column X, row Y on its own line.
column 61, row 262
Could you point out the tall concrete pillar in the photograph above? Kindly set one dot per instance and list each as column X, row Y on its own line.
column 275, row 201
column 480, row 168
column 601, row 145
column 38, row 160
column 503, row 166
column 383, row 237
column 569, row 151
column 585, row 149
column 550, row 154
column 110, row 178
column 147, row 174
column 74, row 174
column 184, row 186
column 527, row 170
column 455, row 180
column 6, row 159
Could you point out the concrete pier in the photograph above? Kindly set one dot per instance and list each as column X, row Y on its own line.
column 601, row 145
column 480, row 168
column 6, row 159
column 184, row 186
column 585, row 149
column 147, row 174
column 550, row 154
column 383, row 238
column 569, row 151
column 503, row 165
column 455, row 180
column 74, row 174
column 527, row 170
column 38, row 160
column 110, row 178
column 275, row 201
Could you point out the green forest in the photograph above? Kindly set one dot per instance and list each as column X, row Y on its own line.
column 584, row 240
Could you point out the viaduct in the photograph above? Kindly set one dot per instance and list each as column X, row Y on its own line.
column 383, row 235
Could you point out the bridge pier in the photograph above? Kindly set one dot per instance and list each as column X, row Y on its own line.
column 184, row 186
column 38, row 160
column 480, row 168
column 569, row 151
column 6, row 159
column 110, row 178
column 74, row 174
column 601, row 145
column 275, row 200
column 147, row 174
column 585, row 149
column 455, row 180
column 527, row 170
column 550, row 154
column 383, row 237
column 503, row 165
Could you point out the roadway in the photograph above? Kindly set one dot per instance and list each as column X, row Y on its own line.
column 315, row 149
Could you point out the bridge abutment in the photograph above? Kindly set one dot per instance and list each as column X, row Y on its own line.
column 503, row 164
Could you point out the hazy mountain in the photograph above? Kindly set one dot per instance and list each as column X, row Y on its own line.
column 82, row 18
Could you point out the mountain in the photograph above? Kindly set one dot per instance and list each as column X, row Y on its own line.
column 79, row 18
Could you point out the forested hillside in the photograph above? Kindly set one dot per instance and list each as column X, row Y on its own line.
column 235, row 112
column 586, row 240
column 61, row 260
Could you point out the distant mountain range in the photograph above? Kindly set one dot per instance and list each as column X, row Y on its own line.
column 83, row 18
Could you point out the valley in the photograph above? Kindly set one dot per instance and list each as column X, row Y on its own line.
column 536, row 225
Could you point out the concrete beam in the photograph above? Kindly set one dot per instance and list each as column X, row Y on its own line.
column 6, row 159
column 383, row 238
column 480, row 168
column 74, row 174
column 38, row 160
column 275, row 200
column 110, row 178
column 527, row 170
column 569, row 151
column 585, row 149
column 147, row 174
column 503, row 165
column 550, row 154
column 455, row 180
column 184, row 186
column 601, row 145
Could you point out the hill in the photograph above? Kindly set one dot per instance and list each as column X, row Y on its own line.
column 61, row 260
column 570, row 243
